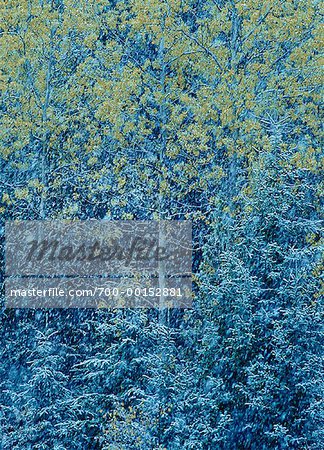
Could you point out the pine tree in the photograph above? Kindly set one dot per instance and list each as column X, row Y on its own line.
column 261, row 290
column 40, row 399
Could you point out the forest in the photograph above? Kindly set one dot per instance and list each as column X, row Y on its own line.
column 206, row 111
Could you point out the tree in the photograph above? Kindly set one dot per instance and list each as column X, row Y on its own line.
column 261, row 298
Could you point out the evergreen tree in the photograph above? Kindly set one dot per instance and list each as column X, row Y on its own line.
column 263, row 315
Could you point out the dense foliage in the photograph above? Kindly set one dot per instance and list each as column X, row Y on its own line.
column 155, row 109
